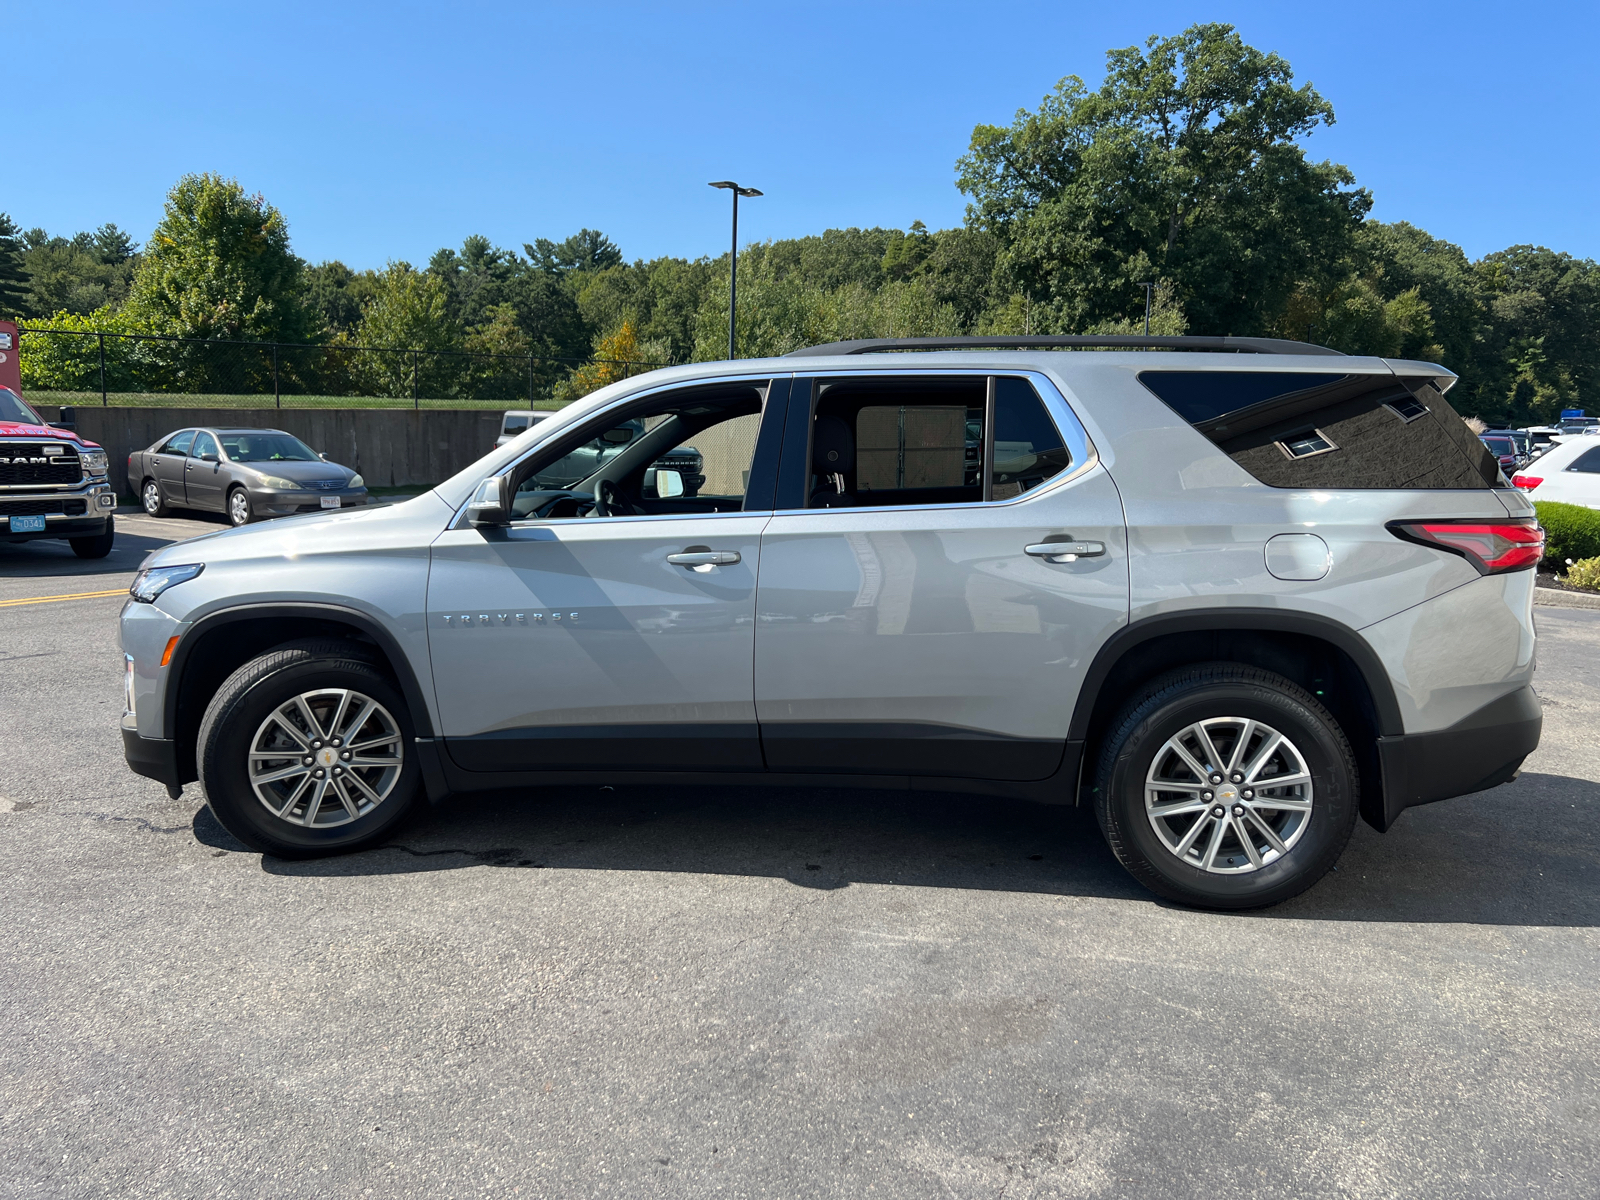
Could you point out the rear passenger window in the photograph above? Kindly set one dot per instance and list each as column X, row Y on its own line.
column 1588, row 462
column 1028, row 448
column 1295, row 429
column 907, row 441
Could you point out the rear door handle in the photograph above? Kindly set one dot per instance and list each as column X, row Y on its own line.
column 704, row 558
column 1065, row 552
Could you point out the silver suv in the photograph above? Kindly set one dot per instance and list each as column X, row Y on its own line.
column 1230, row 592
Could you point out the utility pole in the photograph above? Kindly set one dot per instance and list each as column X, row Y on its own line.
column 733, row 264
column 1149, row 290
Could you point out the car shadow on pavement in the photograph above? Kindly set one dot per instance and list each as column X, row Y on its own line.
column 55, row 559
column 1524, row 854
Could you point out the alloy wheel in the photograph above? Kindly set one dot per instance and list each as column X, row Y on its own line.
column 1228, row 795
column 239, row 507
column 325, row 758
column 152, row 499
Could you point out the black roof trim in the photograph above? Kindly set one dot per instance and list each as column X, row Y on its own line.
column 1248, row 345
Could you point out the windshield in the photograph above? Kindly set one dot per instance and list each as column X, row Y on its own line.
column 14, row 408
column 266, row 447
column 1500, row 445
column 583, row 462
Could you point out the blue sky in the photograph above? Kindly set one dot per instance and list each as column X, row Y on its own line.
column 383, row 131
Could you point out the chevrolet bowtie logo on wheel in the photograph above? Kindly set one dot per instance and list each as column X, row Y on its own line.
column 525, row 620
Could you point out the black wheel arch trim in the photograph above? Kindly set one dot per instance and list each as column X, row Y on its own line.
column 416, row 698
column 1274, row 620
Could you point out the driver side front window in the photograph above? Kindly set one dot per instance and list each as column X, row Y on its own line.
column 691, row 454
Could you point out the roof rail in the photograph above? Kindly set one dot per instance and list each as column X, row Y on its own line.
column 1250, row 345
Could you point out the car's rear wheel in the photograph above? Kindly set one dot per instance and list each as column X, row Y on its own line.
column 1227, row 787
column 303, row 752
column 96, row 545
column 151, row 499
column 239, row 512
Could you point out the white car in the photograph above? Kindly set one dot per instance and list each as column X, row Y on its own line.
column 515, row 422
column 1568, row 472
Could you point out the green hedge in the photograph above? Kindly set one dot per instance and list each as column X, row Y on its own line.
column 1571, row 532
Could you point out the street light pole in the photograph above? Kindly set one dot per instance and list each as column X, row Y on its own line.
column 1148, row 289
column 733, row 262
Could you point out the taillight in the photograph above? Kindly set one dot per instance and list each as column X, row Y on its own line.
column 1526, row 482
column 1494, row 547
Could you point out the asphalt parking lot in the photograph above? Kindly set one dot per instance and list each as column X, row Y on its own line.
column 767, row 992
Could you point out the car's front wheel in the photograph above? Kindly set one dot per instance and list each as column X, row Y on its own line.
column 303, row 752
column 1226, row 787
column 239, row 512
column 96, row 545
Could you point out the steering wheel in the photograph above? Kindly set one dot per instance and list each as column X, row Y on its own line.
column 606, row 501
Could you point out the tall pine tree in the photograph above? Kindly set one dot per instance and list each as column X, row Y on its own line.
column 13, row 274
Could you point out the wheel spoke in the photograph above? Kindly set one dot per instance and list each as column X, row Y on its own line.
column 294, row 798
column 1206, row 744
column 1245, row 840
column 1178, row 808
column 1278, row 781
column 1189, row 838
column 338, row 714
column 357, row 760
column 310, row 718
column 1267, row 831
column 314, row 805
column 369, row 744
column 344, row 798
column 1241, row 746
column 300, row 739
column 281, row 773
column 1269, row 745
column 1219, row 827
column 1189, row 760
column 365, row 787
column 1284, row 803
column 353, row 727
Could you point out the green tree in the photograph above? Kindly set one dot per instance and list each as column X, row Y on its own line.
column 336, row 294
column 1184, row 165
column 586, row 250
column 405, row 335
column 13, row 274
column 218, row 266
column 78, row 274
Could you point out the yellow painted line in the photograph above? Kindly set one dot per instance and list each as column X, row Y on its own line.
column 53, row 599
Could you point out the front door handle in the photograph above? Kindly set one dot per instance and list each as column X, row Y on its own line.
column 1065, row 552
column 695, row 556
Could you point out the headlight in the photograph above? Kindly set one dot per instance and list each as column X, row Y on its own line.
column 95, row 462
column 281, row 485
column 152, row 581
column 356, row 481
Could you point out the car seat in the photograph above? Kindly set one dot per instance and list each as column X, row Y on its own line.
column 833, row 453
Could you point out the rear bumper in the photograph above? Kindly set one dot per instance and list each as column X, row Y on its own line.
column 154, row 758
column 1482, row 750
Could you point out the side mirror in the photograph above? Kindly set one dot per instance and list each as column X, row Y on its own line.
column 491, row 503
column 210, row 458
column 322, row 456
column 668, row 483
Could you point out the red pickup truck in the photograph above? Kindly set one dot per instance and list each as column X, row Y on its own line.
column 52, row 483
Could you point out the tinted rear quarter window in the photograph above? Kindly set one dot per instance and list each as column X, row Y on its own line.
column 1330, row 430
column 1588, row 462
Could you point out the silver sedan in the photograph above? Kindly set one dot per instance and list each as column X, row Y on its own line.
column 246, row 473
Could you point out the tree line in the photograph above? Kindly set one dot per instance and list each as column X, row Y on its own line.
column 1184, row 169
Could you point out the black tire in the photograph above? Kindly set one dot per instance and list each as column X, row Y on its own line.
column 238, row 508
column 151, row 499
column 97, row 545
column 246, row 699
column 1175, row 702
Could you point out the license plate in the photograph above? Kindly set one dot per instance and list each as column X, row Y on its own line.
column 27, row 524
column 330, row 501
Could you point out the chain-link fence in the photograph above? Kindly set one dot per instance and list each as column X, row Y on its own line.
column 75, row 367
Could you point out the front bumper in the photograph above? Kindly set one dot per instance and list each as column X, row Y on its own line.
column 78, row 513
column 282, row 504
column 1482, row 750
column 154, row 758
